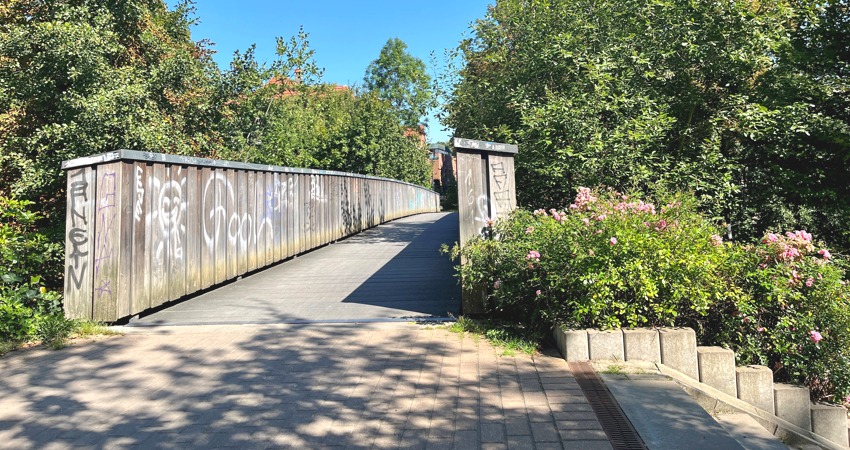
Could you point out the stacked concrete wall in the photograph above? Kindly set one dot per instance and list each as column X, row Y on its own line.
column 677, row 349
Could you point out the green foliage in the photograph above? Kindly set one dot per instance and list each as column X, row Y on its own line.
column 401, row 79
column 84, row 77
column 54, row 330
column 608, row 262
column 795, row 288
column 745, row 103
column 611, row 260
column 24, row 298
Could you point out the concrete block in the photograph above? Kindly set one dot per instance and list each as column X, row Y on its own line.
column 641, row 344
column 717, row 369
column 679, row 350
column 607, row 344
column 792, row 404
column 575, row 343
column 755, row 386
column 830, row 421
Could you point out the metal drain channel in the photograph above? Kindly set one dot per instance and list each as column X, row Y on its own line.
column 620, row 431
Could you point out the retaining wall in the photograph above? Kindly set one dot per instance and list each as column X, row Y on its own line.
column 146, row 228
column 783, row 409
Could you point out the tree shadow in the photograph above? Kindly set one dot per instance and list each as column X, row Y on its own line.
column 372, row 386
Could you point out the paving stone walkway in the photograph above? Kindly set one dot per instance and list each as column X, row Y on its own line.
column 381, row 385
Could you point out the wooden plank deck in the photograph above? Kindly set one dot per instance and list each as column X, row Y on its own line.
column 392, row 271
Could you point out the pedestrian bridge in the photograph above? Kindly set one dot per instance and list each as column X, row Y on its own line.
column 144, row 230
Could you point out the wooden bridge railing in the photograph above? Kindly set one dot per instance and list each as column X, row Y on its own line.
column 147, row 228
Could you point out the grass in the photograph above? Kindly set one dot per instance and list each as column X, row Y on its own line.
column 87, row 328
column 54, row 333
column 512, row 338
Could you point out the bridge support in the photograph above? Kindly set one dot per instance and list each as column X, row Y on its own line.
column 145, row 228
column 486, row 191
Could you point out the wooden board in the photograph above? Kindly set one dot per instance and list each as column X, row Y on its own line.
column 140, row 290
column 231, row 211
column 123, row 296
column 250, row 219
column 208, row 225
column 107, row 242
column 502, row 185
column 268, row 217
column 472, row 198
column 220, row 225
column 79, row 242
column 194, row 234
column 176, row 202
column 276, row 207
column 237, row 229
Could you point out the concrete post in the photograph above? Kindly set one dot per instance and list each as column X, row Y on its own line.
column 717, row 369
column 830, row 421
column 755, row 386
column 572, row 344
column 679, row 350
column 641, row 345
column 792, row 404
column 607, row 344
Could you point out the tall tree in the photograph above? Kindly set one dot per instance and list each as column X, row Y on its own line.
column 745, row 103
column 401, row 78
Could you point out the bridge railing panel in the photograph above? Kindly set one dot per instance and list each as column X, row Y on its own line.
column 144, row 229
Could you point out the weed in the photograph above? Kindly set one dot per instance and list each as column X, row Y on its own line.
column 86, row 328
column 511, row 337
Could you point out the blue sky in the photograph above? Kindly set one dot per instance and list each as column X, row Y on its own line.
column 347, row 35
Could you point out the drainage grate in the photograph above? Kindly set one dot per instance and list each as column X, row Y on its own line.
column 620, row 431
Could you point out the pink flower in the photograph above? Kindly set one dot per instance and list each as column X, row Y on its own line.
column 662, row 224
column 810, row 281
column 598, row 231
column 497, row 284
column 533, row 254
column 529, row 230
column 825, row 253
column 538, row 292
column 815, row 336
column 760, row 329
column 600, row 217
column 585, row 221
column 591, row 253
column 489, row 222
column 540, row 212
column 716, row 240
column 770, row 238
column 556, row 216
column 612, row 241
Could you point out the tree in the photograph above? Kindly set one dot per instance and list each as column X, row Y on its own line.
column 82, row 77
column 744, row 103
column 401, row 79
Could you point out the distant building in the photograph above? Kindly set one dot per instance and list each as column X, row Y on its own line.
column 443, row 168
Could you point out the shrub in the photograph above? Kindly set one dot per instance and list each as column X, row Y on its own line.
column 607, row 261
column 54, row 330
column 24, row 298
column 795, row 317
column 613, row 261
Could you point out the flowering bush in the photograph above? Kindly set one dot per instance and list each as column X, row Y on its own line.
column 795, row 317
column 608, row 260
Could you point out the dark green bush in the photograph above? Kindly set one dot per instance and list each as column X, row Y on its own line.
column 24, row 298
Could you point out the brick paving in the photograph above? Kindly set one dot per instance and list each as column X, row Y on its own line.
column 392, row 385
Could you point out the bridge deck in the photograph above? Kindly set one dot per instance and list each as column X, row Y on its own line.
column 392, row 271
